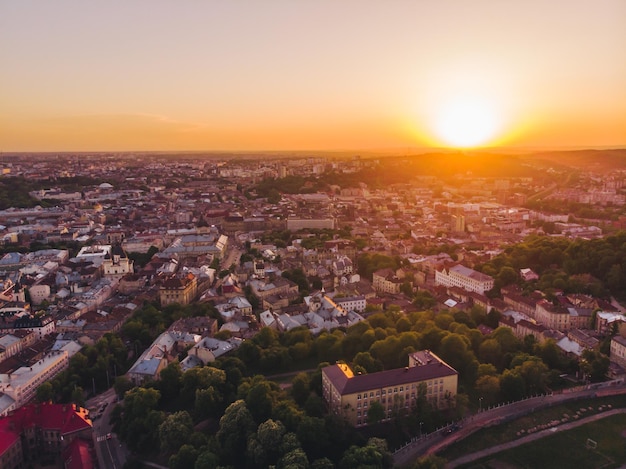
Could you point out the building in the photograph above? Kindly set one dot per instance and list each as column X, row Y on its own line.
column 178, row 289
column 618, row 350
column 296, row 224
column 464, row 277
column 397, row 390
column 386, row 281
column 117, row 264
column 21, row 385
column 352, row 303
column 44, row 430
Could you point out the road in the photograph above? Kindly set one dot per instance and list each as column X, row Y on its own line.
column 439, row 440
column 111, row 452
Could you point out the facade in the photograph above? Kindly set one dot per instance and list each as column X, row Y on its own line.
column 181, row 290
column 352, row 303
column 39, row 430
column 553, row 317
column 386, row 281
column 117, row 264
column 618, row 350
column 464, row 277
column 397, row 390
column 295, row 224
column 22, row 384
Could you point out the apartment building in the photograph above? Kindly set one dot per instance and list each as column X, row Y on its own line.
column 464, row 277
column 386, row 281
column 22, row 384
column 351, row 395
column 178, row 289
column 618, row 350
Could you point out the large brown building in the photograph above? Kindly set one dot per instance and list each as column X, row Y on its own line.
column 178, row 289
column 351, row 395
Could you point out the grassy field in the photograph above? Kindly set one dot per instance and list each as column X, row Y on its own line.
column 568, row 449
column 491, row 436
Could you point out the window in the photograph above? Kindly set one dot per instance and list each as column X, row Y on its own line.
column 358, row 397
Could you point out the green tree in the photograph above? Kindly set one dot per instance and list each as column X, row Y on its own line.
column 207, row 460
column 184, row 459
column 236, row 426
column 45, row 392
column 295, row 459
column 300, row 388
column 175, row 431
column 375, row 413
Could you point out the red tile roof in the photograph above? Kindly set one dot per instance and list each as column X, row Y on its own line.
column 65, row 418
column 77, row 455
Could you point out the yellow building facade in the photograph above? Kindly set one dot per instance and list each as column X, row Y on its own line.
column 396, row 390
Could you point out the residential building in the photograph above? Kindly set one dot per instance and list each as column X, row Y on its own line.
column 464, row 277
column 396, row 390
column 351, row 303
column 178, row 289
column 618, row 350
column 386, row 281
column 41, row 430
column 22, row 384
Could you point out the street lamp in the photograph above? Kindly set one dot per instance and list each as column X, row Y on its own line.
column 480, row 404
column 421, row 423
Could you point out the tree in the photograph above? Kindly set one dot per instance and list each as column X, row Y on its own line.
column 366, row 457
column 490, row 352
column 512, row 386
column 300, row 388
column 259, row 399
column 175, row 431
column 367, row 362
column 375, row 413
column 594, row 365
column 121, row 385
column 313, row 436
column 184, row 459
column 236, row 426
column 207, row 460
column 78, row 396
column 295, row 459
column 488, row 388
column 170, row 379
column 45, row 392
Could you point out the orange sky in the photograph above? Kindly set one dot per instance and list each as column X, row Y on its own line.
column 310, row 75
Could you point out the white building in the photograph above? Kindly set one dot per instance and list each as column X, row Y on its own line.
column 352, row 303
column 22, row 384
column 464, row 277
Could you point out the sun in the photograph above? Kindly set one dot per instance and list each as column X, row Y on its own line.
column 466, row 122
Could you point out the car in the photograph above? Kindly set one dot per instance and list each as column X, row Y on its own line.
column 109, row 436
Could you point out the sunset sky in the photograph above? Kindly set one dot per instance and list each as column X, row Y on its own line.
column 311, row 75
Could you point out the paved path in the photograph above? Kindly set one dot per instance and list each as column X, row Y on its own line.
column 438, row 441
column 528, row 438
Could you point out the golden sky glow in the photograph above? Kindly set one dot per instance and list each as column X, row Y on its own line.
column 303, row 75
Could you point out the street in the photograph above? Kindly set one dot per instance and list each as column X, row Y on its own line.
column 110, row 451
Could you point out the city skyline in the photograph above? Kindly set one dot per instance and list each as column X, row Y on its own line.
column 278, row 75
